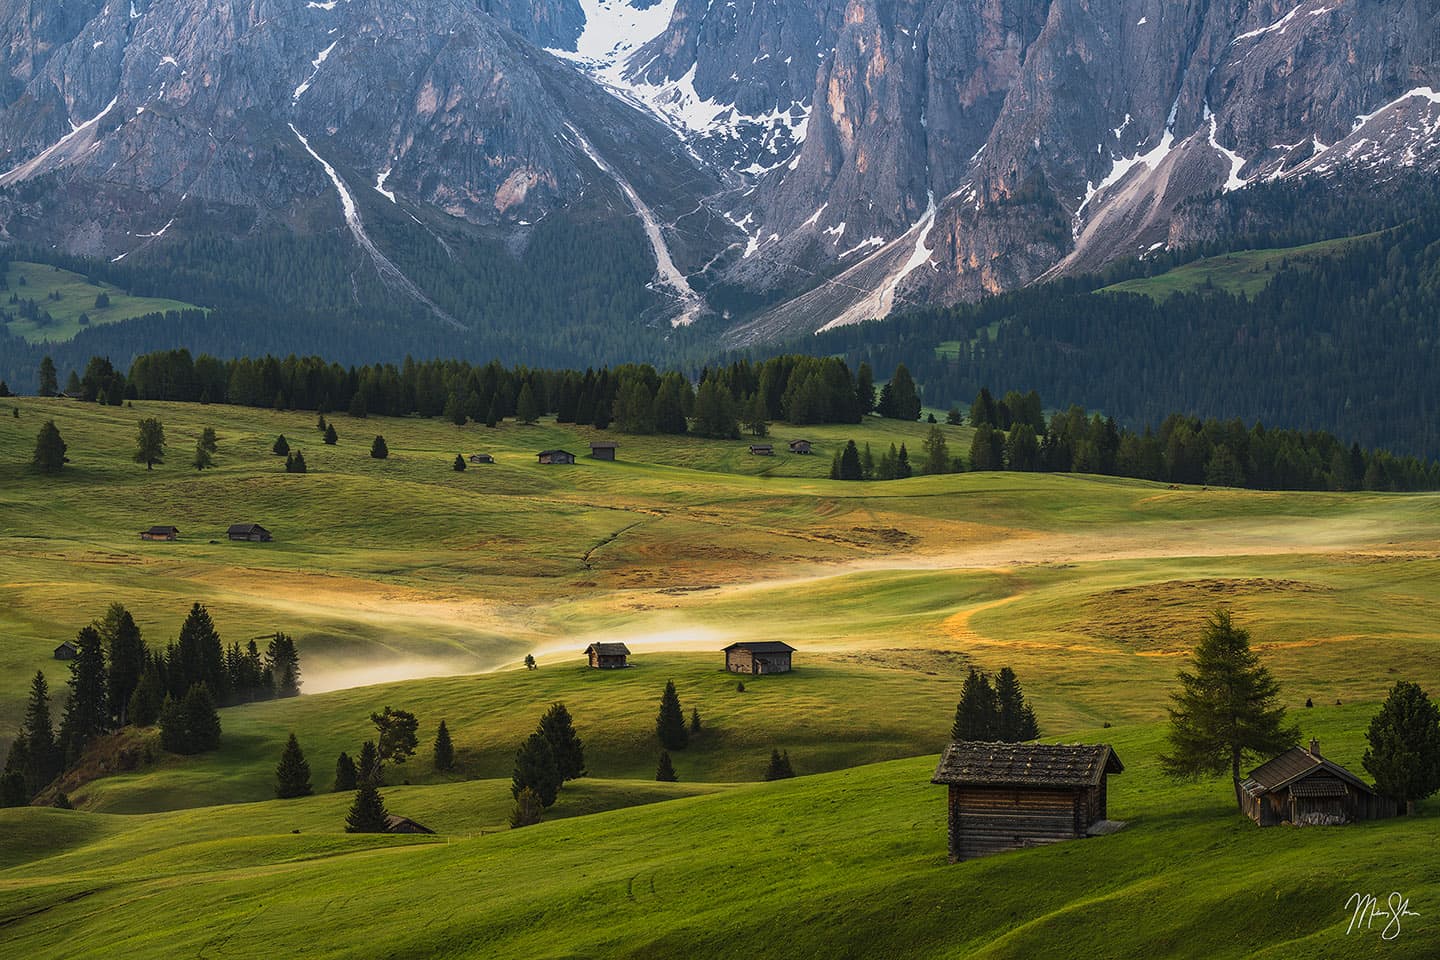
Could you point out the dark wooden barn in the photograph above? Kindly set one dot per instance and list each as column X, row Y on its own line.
column 1301, row 787
column 67, row 650
column 160, row 533
column 251, row 532
column 762, row 450
column 397, row 824
column 800, row 446
column 481, row 458
column 770, row 656
column 608, row 656
column 1007, row 796
column 556, row 456
column 603, row 450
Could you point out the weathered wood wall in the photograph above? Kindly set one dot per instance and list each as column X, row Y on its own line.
column 985, row 820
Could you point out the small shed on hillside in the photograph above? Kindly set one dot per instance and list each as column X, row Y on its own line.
column 800, row 446
column 556, row 456
column 1301, row 787
column 397, row 824
column 762, row 450
column 770, row 656
column 67, row 650
column 160, row 533
column 1007, row 796
column 608, row 656
column 603, row 450
column 481, row 458
column 252, row 532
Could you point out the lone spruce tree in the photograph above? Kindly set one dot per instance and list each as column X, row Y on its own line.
column 1227, row 708
column 665, row 769
column 292, row 774
column 444, row 750
column 1404, row 751
column 50, row 449
column 367, row 814
column 670, row 723
column 558, row 729
column 378, row 449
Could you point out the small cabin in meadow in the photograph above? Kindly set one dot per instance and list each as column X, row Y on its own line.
column 556, row 456
column 1303, row 788
column 770, row 656
column 251, row 532
column 608, row 656
column 603, row 450
column 800, row 446
column 762, row 450
column 481, row 458
column 160, row 533
column 68, row 650
column 396, row 824
column 1007, row 796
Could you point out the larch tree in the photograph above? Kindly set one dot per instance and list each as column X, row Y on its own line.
column 150, row 442
column 1227, row 709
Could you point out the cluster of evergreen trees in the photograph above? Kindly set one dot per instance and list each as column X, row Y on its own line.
column 996, row 713
column 1012, row 434
column 549, row 758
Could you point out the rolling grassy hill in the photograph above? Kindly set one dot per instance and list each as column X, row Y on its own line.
column 77, row 295
column 408, row 584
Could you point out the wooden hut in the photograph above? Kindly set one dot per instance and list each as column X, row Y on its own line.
column 481, row 458
column 1301, row 787
column 556, row 456
column 1006, row 796
column 608, row 656
column 252, row 532
column 770, row 656
column 800, row 446
column 68, row 650
column 762, row 450
column 160, row 533
column 603, row 450
column 397, row 824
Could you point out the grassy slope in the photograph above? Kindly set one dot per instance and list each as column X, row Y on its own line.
column 848, row 864
column 1244, row 271
column 77, row 296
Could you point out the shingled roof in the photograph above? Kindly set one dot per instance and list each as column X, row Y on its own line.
column 1025, row 764
column 1295, row 765
column 609, row 649
column 762, row 647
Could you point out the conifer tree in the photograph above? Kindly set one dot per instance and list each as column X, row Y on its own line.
column 558, row 729
column 665, row 769
column 125, row 657
column 150, row 442
column 13, row 792
column 535, row 769
column 459, row 465
column 345, row 775
column 202, row 460
column 367, row 813
column 493, row 416
column 369, row 767
column 144, row 705
column 295, row 463
column 378, row 449
column 1228, row 708
column 1404, row 745
column 49, row 380
column 292, row 774
column 670, row 723
column 904, row 398
column 282, row 661
column 903, row 469
column 1015, row 722
column 850, row 468
column 528, row 809
column 50, row 449
column 331, row 437
column 202, row 722
column 455, row 409
column 976, row 715
column 694, row 721
column 42, row 759
column 527, row 407
column 937, row 452
column 779, row 768
column 864, row 389
column 444, row 750
column 87, row 713
column 208, row 440
column 281, row 446
column 199, row 656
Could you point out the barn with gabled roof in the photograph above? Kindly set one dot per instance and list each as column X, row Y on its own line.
column 1007, row 796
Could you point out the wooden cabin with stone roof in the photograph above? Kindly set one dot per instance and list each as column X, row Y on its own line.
column 1303, row 788
column 608, row 656
column 1007, row 796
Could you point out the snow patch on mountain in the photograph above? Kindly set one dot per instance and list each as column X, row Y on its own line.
column 80, row 138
